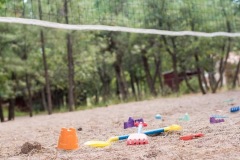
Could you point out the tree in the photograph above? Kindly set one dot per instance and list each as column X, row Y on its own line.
column 117, row 49
column 44, row 58
column 70, row 63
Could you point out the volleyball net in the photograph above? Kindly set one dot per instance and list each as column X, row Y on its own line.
column 166, row 17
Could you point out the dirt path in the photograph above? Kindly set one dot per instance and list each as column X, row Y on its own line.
column 221, row 141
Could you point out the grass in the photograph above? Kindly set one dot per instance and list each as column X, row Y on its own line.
column 17, row 112
column 63, row 109
column 111, row 101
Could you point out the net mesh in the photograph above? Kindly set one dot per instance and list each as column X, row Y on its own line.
column 166, row 17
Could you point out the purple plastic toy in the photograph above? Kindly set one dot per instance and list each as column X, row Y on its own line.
column 131, row 121
column 214, row 120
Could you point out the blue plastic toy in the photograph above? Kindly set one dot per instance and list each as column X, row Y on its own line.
column 158, row 116
column 219, row 116
column 235, row 109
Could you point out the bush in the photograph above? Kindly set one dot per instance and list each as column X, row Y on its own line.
column 194, row 84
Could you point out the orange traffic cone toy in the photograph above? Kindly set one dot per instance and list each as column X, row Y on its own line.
column 68, row 139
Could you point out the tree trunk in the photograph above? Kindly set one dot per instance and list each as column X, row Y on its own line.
column 117, row 88
column 175, row 74
column 44, row 100
column 200, row 83
column 138, row 86
column 158, row 64
column 120, row 80
column 47, row 81
column 96, row 97
column 105, row 79
column 148, row 74
column 175, row 62
column 212, row 80
column 1, row 111
column 173, row 54
column 132, row 85
column 223, row 65
column 58, row 98
column 204, row 80
column 187, row 82
column 11, row 106
column 235, row 79
column 71, row 104
column 70, row 74
column 29, row 95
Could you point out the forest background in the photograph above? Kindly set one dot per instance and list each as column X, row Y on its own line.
column 45, row 70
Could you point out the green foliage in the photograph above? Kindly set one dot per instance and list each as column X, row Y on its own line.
column 193, row 82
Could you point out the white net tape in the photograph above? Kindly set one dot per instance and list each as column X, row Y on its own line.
column 113, row 28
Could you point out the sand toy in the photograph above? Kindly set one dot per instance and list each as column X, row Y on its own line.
column 158, row 116
column 185, row 117
column 214, row 120
column 68, row 139
column 131, row 122
column 191, row 136
column 137, row 138
column 123, row 137
column 235, row 109
column 144, row 124
column 219, row 116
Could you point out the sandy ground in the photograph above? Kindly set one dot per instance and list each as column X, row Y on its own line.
column 221, row 140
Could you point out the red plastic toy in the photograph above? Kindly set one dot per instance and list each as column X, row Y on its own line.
column 143, row 124
column 192, row 136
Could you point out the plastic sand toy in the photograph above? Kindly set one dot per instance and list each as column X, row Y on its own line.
column 229, row 100
column 137, row 138
column 158, row 116
column 68, row 139
column 136, row 124
column 235, row 109
column 185, row 117
column 131, row 122
column 219, row 116
column 123, row 137
column 191, row 136
column 214, row 120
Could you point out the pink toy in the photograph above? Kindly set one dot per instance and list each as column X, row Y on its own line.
column 137, row 138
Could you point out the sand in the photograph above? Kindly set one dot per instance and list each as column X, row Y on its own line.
column 221, row 141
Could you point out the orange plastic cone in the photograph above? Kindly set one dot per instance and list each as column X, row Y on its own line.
column 68, row 139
